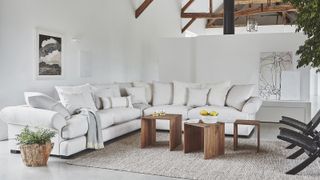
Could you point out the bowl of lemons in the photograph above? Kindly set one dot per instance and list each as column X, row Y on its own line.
column 209, row 117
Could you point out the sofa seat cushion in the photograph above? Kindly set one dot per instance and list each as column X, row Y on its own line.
column 118, row 116
column 226, row 114
column 76, row 126
column 169, row 109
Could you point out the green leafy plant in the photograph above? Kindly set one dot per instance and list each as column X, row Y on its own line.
column 308, row 21
column 41, row 136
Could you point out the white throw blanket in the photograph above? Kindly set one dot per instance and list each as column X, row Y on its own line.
column 94, row 134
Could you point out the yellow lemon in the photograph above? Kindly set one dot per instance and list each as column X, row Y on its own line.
column 204, row 113
column 213, row 113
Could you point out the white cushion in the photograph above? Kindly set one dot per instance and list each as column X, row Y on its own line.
column 226, row 114
column 104, row 91
column 119, row 115
column 138, row 95
column 74, row 101
column 106, row 103
column 106, row 118
column 169, row 109
column 218, row 93
column 162, row 93
column 76, row 126
column 121, row 102
column 180, row 92
column 43, row 101
column 68, row 94
column 197, row 97
column 252, row 105
column 148, row 87
column 123, row 86
column 238, row 95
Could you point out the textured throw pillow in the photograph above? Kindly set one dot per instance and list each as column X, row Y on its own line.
column 197, row 97
column 148, row 87
column 102, row 93
column 81, row 95
column 218, row 93
column 43, row 101
column 74, row 101
column 123, row 86
column 162, row 93
column 239, row 94
column 138, row 95
column 118, row 102
column 114, row 87
column 180, row 92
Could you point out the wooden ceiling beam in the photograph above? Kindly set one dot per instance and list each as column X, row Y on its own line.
column 188, row 25
column 142, row 7
column 185, row 7
column 237, row 2
column 246, row 12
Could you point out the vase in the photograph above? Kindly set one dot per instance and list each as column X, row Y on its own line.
column 35, row 155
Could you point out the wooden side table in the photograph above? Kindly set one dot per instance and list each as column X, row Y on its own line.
column 148, row 130
column 209, row 138
column 245, row 122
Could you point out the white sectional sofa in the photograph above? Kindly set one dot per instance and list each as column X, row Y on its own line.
column 115, row 122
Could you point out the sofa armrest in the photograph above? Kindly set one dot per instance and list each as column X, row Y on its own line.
column 252, row 105
column 33, row 117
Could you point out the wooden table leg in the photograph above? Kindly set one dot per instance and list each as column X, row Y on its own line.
column 221, row 139
column 148, row 132
column 235, row 136
column 258, row 137
column 175, row 133
column 192, row 138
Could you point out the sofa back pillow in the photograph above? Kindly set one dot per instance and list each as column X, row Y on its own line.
column 180, row 92
column 138, row 95
column 120, row 102
column 218, row 93
column 162, row 93
column 238, row 95
column 123, row 86
column 43, row 101
column 148, row 87
column 74, row 97
column 197, row 97
column 104, row 91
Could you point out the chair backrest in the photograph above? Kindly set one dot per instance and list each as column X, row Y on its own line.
column 315, row 121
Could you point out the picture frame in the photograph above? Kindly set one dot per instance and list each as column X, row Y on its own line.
column 49, row 55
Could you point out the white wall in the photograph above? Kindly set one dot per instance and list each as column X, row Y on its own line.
column 122, row 47
column 233, row 57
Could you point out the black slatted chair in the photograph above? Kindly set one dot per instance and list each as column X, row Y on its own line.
column 310, row 146
column 306, row 129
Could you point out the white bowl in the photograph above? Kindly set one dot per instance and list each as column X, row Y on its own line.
column 209, row 119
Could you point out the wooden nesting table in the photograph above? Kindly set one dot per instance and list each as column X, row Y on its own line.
column 148, row 130
column 209, row 138
column 245, row 122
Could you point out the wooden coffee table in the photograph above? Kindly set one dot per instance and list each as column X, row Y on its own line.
column 206, row 137
column 148, row 130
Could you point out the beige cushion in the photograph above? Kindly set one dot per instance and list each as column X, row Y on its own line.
column 218, row 93
column 180, row 92
column 197, row 97
column 138, row 95
column 162, row 93
column 239, row 94
column 119, row 115
column 148, row 87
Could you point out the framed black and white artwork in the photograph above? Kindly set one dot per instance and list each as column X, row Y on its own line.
column 49, row 61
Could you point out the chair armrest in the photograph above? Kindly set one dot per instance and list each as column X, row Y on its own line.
column 33, row 117
column 252, row 105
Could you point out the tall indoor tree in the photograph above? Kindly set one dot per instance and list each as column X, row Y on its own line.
column 308, row 21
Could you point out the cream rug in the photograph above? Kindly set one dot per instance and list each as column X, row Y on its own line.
column 270, row 163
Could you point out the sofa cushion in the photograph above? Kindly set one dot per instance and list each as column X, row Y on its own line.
column 43, row 101
column 226, row 114
column 76, row 126
column 119, row 115
column 104, row 91
column 238, row 95
column 162, row 93
column 148, row 87
column 138, row 95
column 218, row 93
column 180, row 92
column 123, row 86
column 197, row 97
column 169, row 109
column 106, row 118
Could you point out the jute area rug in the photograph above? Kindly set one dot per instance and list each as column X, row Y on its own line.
column 126, row 155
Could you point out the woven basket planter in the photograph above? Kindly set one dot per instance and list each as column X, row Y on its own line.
column 36, row 154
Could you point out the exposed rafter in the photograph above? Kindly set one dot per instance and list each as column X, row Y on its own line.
column 183, row 9
column 142, row 7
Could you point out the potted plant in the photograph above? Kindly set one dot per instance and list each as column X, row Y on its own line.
column 35, row 146
column 308, row 19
